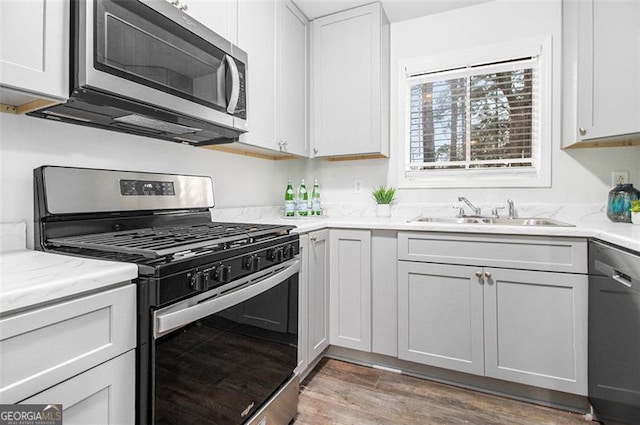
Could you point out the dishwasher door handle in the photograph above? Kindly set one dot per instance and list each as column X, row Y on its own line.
column 621, row 278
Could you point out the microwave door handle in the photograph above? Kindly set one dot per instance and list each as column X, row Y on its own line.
column 235, row 84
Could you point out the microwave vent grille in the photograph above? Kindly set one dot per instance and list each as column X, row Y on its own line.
column 154, row 124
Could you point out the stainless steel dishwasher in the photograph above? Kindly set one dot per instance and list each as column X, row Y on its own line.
column 614, row 333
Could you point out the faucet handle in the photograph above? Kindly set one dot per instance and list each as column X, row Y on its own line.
column 494, row 211
column 512, row 209
column 460, row 212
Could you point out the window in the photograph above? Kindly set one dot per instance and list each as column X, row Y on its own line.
column 477, row 124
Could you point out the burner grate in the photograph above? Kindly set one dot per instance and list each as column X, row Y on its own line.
column 163, row 241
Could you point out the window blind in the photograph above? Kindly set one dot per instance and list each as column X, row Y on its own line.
column 476, row 117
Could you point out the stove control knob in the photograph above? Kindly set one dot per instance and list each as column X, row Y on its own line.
column 255, row 263
column 275, row 254
column 252, row 263
column 289, row 252
column 197, row 281
column 222, row 274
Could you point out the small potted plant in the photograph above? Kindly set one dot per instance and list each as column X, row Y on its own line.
column 383, row 196
column 635, row 211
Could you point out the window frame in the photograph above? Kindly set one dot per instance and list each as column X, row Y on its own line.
column 540, row 176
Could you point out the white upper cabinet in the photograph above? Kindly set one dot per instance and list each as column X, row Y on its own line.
column 601, row 71
column 34, row 53
column 257, row 36
column 274, row 35
column 350, row 90
column 221, row 16
column 293, row 79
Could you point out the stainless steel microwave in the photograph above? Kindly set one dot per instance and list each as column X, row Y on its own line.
column 145, row 67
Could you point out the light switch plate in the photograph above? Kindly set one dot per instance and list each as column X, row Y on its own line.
column 357, row 185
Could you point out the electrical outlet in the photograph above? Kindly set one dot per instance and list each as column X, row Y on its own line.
column 619, row 177
column 357, row 185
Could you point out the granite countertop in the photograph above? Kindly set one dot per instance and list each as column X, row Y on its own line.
column 33, row 278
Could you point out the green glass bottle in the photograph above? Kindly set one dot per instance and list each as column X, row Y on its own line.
column 289, row 202
column 316, row 209
column 303, row 200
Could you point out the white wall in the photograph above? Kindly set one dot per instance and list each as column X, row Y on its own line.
column 27, row 143
column 578, row 176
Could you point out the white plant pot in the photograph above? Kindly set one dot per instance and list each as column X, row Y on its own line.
column 383, row 210
column 635, row 217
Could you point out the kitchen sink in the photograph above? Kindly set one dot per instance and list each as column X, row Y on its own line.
column 493, row 220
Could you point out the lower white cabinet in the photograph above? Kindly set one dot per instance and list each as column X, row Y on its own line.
column 318, row 293
column 79, row 353
column 104, row 395
column 384, row 292
column 303, row 306
column 535, row 328
column 440, row 319
column 351, row 289
column 521, row 326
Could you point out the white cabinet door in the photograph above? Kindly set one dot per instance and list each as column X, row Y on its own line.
column 351, row 289
column 257, row 36
column 104, row 395
column 536, row 328
column 384, row 292
column 303, row 306
column 350, row 82
column 440, row 316
column 220, row 15
column 601, row 70
column 34, row 47
column 43, row 347
column 292, row 80
column 318, row 293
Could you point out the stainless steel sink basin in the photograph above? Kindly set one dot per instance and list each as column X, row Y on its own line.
column 462, row 220
column 495, row 221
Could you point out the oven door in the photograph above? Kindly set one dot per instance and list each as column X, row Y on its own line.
column 219, row 359
column 150, row 51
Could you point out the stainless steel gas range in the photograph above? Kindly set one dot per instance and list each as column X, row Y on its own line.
column 217, row 302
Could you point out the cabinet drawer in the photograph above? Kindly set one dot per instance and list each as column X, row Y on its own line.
column 521, row 252
column 43, row 347
column 100, row 396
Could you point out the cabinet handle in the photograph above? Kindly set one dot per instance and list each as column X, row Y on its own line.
column 313, row 238
column 478, row 274
column 582, row 131
column 315, row 151
column 487, row 274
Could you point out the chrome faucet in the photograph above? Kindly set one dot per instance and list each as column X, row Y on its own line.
column 476, row 211
column 512, row 210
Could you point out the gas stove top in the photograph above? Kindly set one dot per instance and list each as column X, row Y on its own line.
column 174, row 242
column 161, row 222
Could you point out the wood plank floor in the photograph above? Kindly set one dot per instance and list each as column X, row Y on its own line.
column 346, row 394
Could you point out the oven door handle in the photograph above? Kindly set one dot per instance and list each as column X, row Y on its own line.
column 173, row 319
